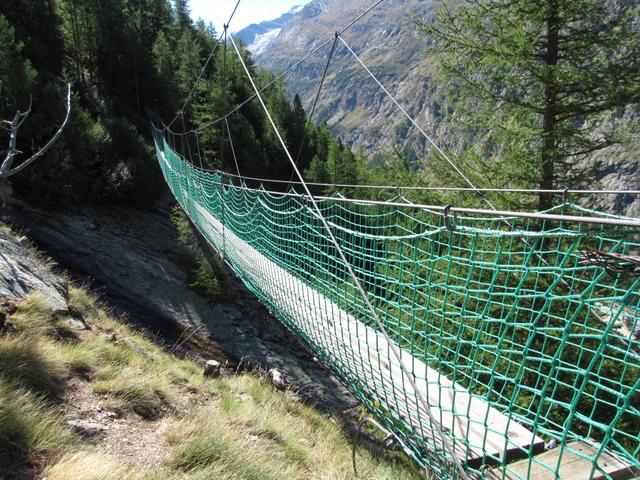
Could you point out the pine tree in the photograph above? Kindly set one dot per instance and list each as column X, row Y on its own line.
column 533, row 79
column 182, row 12
column 16, row 74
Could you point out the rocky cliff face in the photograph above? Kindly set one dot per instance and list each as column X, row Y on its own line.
column 390, row 43
column 257, row 36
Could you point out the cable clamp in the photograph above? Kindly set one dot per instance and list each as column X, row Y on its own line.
column 451, row 226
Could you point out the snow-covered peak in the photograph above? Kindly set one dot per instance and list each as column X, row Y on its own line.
column 261, row 41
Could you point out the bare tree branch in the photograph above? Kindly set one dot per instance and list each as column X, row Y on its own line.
column 6, row 169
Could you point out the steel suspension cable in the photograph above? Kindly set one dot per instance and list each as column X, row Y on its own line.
column 315, row 104
column 416, row 125
column 233, row 150
column 392, row 346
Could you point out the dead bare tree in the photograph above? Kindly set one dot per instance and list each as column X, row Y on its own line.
column 7, row 168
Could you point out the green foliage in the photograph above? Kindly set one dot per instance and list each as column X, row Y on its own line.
column 16, row 73
column 532, row 81
column 204, row 276
column 123, row 57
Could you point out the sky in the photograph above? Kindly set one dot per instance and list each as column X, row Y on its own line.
column 249, row 11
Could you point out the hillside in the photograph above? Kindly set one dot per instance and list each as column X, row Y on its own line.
column 85, row 396
column 388, row 40
column 351, row 102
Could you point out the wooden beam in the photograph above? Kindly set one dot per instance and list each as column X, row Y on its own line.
column 574, row 464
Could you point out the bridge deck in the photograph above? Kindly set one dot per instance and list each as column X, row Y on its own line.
column 574, row 464
column 363, row 355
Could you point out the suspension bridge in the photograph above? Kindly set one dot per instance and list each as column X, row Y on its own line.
column 491, row 344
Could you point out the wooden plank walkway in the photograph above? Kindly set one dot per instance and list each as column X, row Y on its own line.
column 363, row 355
column 571, row 466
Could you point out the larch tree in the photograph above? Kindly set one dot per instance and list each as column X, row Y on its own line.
column 532, row 79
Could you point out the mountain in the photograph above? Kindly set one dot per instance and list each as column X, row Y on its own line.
column 257, row 36
column 388, row 40
column 352, row 104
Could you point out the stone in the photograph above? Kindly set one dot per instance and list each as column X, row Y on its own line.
column 86, row 427
column 77, row 324
column 277, row 380
column 22, row 274
column 24, row 241
column 211, row 368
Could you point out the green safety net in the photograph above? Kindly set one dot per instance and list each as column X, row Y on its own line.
column 522, row 335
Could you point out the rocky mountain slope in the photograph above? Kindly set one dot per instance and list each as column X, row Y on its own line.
column 356, row 109
column 390, row 43
column 257, row 36
column 134, row 259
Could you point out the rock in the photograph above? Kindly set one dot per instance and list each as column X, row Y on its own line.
column 25, row 242
column 86, row 427
column 211, row 368
column 77, row 324
column 277, row 380
column 130, row 255
column 21, row 274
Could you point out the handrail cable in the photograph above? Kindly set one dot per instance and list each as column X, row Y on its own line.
column 534, row 191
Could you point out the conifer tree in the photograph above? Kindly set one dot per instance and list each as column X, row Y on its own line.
column 533, row 79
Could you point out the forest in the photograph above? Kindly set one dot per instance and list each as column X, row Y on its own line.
column 130, row 63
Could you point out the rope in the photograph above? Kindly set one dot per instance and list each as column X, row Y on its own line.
column 352, row 274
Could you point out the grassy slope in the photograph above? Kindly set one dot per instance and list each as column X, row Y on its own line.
column 235, row 427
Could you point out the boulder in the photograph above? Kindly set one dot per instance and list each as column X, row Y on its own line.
column 23, row 273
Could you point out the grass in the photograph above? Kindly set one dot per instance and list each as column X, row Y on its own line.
column 236, row 427
column 262, row 433
column 29, row 424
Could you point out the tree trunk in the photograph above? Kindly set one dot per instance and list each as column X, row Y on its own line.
column 548, row 155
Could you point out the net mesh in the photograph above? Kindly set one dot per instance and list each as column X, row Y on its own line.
column 518, row 332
